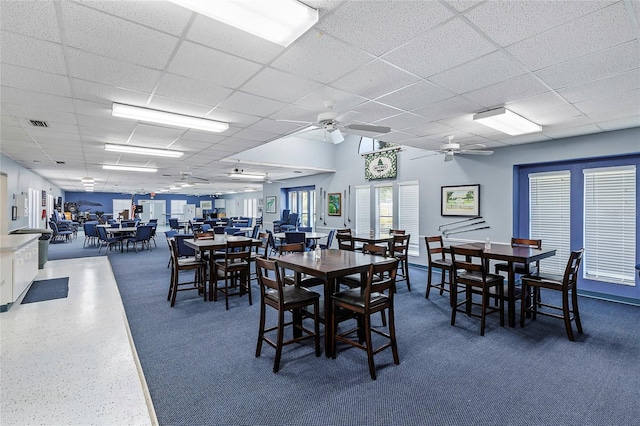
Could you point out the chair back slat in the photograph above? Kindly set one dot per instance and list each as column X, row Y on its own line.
column 386, row 273
column 435, row 246
column 468, row 259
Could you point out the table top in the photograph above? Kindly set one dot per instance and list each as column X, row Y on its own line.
column 333, row 262
column 120, row 230
column 509, row 253
column 218, row 242
column 307, row 235
column 366, row 237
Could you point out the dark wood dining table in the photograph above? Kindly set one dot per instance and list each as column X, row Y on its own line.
column 219, row 242
column 376, row 238
column 332, row 264
column 511, row 255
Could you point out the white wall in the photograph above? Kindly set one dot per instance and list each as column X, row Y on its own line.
column 19, row 180
column 494, row 173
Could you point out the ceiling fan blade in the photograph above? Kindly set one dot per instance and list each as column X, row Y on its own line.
column 367, row 128
column 475, row 152
column 294, row 121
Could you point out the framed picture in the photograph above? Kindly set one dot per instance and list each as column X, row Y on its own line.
column 460, row 200
column 270, row 204
column 334, row 204
column 206, row 205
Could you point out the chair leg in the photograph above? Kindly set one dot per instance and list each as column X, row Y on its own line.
column 566, row 313
column 276, row 362
column 483, row 317
column 429, row 270
column 367, row 329
column 260, row 330
column 405, row 270
column 576, row 312
column 316, row 326
column 454, row 303
column 392, row 336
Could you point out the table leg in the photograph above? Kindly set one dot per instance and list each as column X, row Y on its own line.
column 511, row 295
column 329, row 284
column 212, row 283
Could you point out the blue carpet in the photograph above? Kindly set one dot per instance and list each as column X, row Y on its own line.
column 200, row 366
column 54, row 288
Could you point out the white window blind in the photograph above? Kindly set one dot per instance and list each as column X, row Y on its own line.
column 610, row 224
column 363, row 209
column 384, row 208
column 409, row 214
column 550, row 216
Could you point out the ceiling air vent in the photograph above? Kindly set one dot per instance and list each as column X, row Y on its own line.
column 38, row 123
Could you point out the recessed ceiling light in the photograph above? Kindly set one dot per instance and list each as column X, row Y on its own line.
column 144, row 151
column 506, row 121
column 129, row 168
column 278, row 21
column 168, row 118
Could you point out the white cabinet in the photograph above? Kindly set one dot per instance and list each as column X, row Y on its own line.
column 18, row 266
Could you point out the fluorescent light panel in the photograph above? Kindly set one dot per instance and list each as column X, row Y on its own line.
column 144, row 151
column 278, row 21
column 129, row 168
column 168, row 118
column 245, row 176
column 506, row 121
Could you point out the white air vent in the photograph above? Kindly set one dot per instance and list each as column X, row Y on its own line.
column 38, row 123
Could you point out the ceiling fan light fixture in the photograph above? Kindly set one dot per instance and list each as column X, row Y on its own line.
column 128, row 149
column 506, row 121
column 277, row 21
column 245, row 176
column 167, row 118
column 448, row 156
column 336, row 136
column 129, row 168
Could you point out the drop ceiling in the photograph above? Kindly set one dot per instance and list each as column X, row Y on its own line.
column 420, row 67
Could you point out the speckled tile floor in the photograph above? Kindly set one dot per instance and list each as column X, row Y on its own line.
column 70, row 361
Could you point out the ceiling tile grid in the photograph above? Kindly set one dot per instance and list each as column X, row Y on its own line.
column 422, row 68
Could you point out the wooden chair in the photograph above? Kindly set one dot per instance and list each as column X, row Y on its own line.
column 565, row 284
column 344, row 231
column 520, row 268
column 233, row 267
column 283, row 298
column 185, row 264
column 401, row 252
column 345, row 242
column 437, row 260
column 397, row 232
column 261, row 250
column 377, row 296
column 470, row 271
column 305, row 280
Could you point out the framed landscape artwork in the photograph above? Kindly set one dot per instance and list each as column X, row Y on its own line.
column 460, row 200
column 334, row 204
column 270, row 204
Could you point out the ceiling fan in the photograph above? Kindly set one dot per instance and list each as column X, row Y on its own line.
column 450, row 148
column 330, row 122
column 188, row 179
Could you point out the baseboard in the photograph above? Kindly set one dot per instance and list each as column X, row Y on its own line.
column 609, row 297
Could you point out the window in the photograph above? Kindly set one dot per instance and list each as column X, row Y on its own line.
column 35, row 203
column 250, row 207
column 384, row 208
column 303, row 202
column 550, row 216
column 363, row 209
column 409, row 214
column 177, row 208
column 610, row 224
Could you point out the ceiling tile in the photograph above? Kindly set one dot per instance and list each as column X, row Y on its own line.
column 195, row 91
column 206, row 64
column 106, row 94
column 374, row 111
column 96, row 32
column 254, row 135
column 164, row 16
column 250, row 104
column 600, row 30
column 446, row 46
column 273, row 126
column 281, row 86
column 594, row 66
column 513, row 89
column 320, row 57
column 481, row 72
column 37, row 81
column 381, row 26
column 573, row 131
column 179, row 107
column 375, row 79
column 621, row 123
column 32, row 53
column 34, row 19
column 512, row 21
column 415, row 96
column 34, row 113
column 344, row 101
column 402, row 121
column 30, row 98
column 620, row 83
column 447, row 108
column 99, row 69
